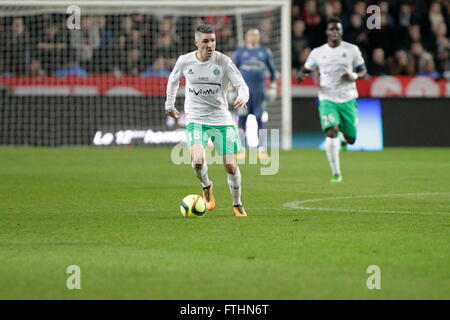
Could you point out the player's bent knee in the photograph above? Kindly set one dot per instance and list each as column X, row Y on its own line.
column 197, row 164
column 332, row 132
column 350, row 140
column 231, row 168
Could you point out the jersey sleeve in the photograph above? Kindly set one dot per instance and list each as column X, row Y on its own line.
column 172, row 85
column 357, row 57
column 237, row 80
column 311, row 61
column 271, row 65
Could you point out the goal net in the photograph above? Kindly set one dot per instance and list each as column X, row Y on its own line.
column 95, row 72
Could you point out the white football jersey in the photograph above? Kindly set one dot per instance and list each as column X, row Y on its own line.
column 332, row 64
column 206, row 88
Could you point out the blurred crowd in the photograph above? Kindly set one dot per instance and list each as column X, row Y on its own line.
column 413, row 39
column 136, row 44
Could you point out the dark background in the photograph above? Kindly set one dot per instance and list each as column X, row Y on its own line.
column 406, row 121
column 53, row 121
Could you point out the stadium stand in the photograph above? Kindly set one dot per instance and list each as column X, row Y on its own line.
column 413, row 39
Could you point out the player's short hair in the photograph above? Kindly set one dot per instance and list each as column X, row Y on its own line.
column 204, row 28
column 333, row 20
column 251, row 29
column 338, row 22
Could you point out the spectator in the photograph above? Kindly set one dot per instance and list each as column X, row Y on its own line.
column 443, row 63
column 167, row 41
column 315, row 25
column 442, row 40
column 3, row 48
column 337, row 6
column 219, row 23
column 52, row 48
column 414, row 34
column 311, row 15
column 104, row 57
column 429, row 70
column 166, row 47
column 126, row 27
column 405, row 15
column 419, row 56
column 158, row 68
column 384, row 9
column 228, row 43
column 35, row 69
column 435, row 15
column 300, row 59
column 328, row 11
column 266, row 29
column 132, row 65
column 85, row 41
column 378, row 66
column 295, row 12
column 17, row 48
column 356, row 34
column 187, row 41
column 400, row 64
column 383, row 38
column 299, row 39
column 107, row 37
column 360, row 8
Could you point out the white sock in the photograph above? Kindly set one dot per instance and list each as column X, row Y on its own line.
column 234, row 182
column 332, row 146
column 202, row 174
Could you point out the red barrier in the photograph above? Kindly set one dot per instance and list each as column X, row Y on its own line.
column 109, row 84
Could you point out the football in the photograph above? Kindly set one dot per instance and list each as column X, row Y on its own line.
column 193, row 205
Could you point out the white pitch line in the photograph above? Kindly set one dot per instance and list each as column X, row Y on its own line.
column 298, row 204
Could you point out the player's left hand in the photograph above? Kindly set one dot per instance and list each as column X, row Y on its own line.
column 272, row 92
column 350, row 76
column 239, row 103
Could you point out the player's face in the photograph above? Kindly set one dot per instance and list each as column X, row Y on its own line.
column 253, row 37
column 206, row 45
column 334, row 32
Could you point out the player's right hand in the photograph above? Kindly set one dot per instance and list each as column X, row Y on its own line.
column 239, row 102
column 302, row 76
column 174, row 114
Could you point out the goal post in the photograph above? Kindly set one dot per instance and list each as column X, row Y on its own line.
column 57, row 93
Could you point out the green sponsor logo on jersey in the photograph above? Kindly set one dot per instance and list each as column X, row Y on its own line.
column 216, row 72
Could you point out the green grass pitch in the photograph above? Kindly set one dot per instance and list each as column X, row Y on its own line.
column 114, row 213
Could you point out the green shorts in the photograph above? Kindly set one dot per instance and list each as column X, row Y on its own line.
column 225, row 138
column 344, row 115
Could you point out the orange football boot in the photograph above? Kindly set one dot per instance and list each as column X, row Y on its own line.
column 239, row 211
column 208, row 196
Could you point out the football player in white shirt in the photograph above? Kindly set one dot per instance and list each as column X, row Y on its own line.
column 208, row 74
column 340, row 64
